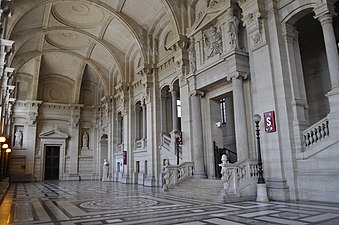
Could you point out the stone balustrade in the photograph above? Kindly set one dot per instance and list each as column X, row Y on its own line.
column 166, row 141
column 120, row 147
column 174, row 174
column 141, row 144
column 316, row 133
column 235, row 174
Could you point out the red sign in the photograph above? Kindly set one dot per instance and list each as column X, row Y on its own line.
column 125, row 157
column 269, row 120
column 178, row 137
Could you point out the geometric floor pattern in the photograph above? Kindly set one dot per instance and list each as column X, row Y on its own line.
column 96, row 203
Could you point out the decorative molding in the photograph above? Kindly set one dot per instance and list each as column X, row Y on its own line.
column 54, row 133
column 204, row 18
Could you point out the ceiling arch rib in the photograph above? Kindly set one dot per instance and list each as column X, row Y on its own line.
column 26, row 57
column 133, row 29
column 68, row 39
column 101, row 33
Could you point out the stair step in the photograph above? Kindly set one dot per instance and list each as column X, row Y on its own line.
column 199, row 189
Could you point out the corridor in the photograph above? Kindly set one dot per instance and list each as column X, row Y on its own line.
column 95, row 203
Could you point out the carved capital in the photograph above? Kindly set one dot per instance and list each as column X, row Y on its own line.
column 289, row 32
column 253, row 18
column 146, row 70
column 324, row 10
column 31, row 118
column 237, row 75
column 177, row 44
column 197, row 93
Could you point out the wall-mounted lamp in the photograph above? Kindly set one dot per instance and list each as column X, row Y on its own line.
column 218, row 124
column 2, row 139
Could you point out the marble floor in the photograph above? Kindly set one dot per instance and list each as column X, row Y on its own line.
column 95, row 203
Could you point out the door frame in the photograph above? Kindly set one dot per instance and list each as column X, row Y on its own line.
column 46, row 146
column 53, row 142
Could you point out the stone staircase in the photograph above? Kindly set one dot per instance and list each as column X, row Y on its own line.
column 204, row 190
column 198, row 189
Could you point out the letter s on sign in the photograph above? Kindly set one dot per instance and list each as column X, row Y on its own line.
column 269, row 122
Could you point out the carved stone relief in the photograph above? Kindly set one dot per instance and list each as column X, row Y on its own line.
column 212, row 42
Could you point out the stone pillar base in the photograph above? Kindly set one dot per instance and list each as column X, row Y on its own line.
column 73, row 176
column 262, row 193
column 125, row 179
column 149, row 181
column 200, row 176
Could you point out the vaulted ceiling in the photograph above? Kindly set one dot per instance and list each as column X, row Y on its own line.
column 75, row 44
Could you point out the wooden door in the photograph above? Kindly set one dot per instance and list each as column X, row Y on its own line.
column 52, row 162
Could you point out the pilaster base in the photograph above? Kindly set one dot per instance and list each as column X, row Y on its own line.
column 125, row 179
column 73, row 176
column 262, row 193
column 149, row 181
column 202, row 175
column 278, row 190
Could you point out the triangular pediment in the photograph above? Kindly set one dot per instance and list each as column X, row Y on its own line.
column 206, row 17
column 54, row 133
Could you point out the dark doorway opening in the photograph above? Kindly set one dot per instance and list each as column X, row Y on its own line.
column 52, row 162
column 218, row 152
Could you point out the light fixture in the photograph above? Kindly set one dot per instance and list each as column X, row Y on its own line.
column 8, row 150
column 218, row 124
column 5, row 145
column 256, row 118
column 2, row 139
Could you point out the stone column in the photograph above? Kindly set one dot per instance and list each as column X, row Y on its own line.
column 174, row 110
column 326, row 21
column 325, row 16
column 198, row 144
column 163, row 114
column 74, row 142
column 144, row 121
column 300, row 111
column 30, row 133
column 239, row 115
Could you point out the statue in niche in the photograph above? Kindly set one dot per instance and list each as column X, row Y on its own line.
column 233, row 32
column 18, row 139
column 213, row 44
column 105, row 173
column 192, row 55
column 85, row 140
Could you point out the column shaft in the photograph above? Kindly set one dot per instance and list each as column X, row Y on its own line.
column 174, row 111
column 198, row 148
column 144, row 120
column 240, row 119
column 331, row 48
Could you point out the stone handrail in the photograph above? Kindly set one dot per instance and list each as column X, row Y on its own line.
column 234, row 174
column 166, row 141
column 316, row 133
column 120, row 147
column 174, row 174
column 141, row 143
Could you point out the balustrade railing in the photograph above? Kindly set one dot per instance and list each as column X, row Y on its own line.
column 235, row 174
column 174, row 174
column 166, row 141
column 120, row 147
column 141, row 144
column 316, row 133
